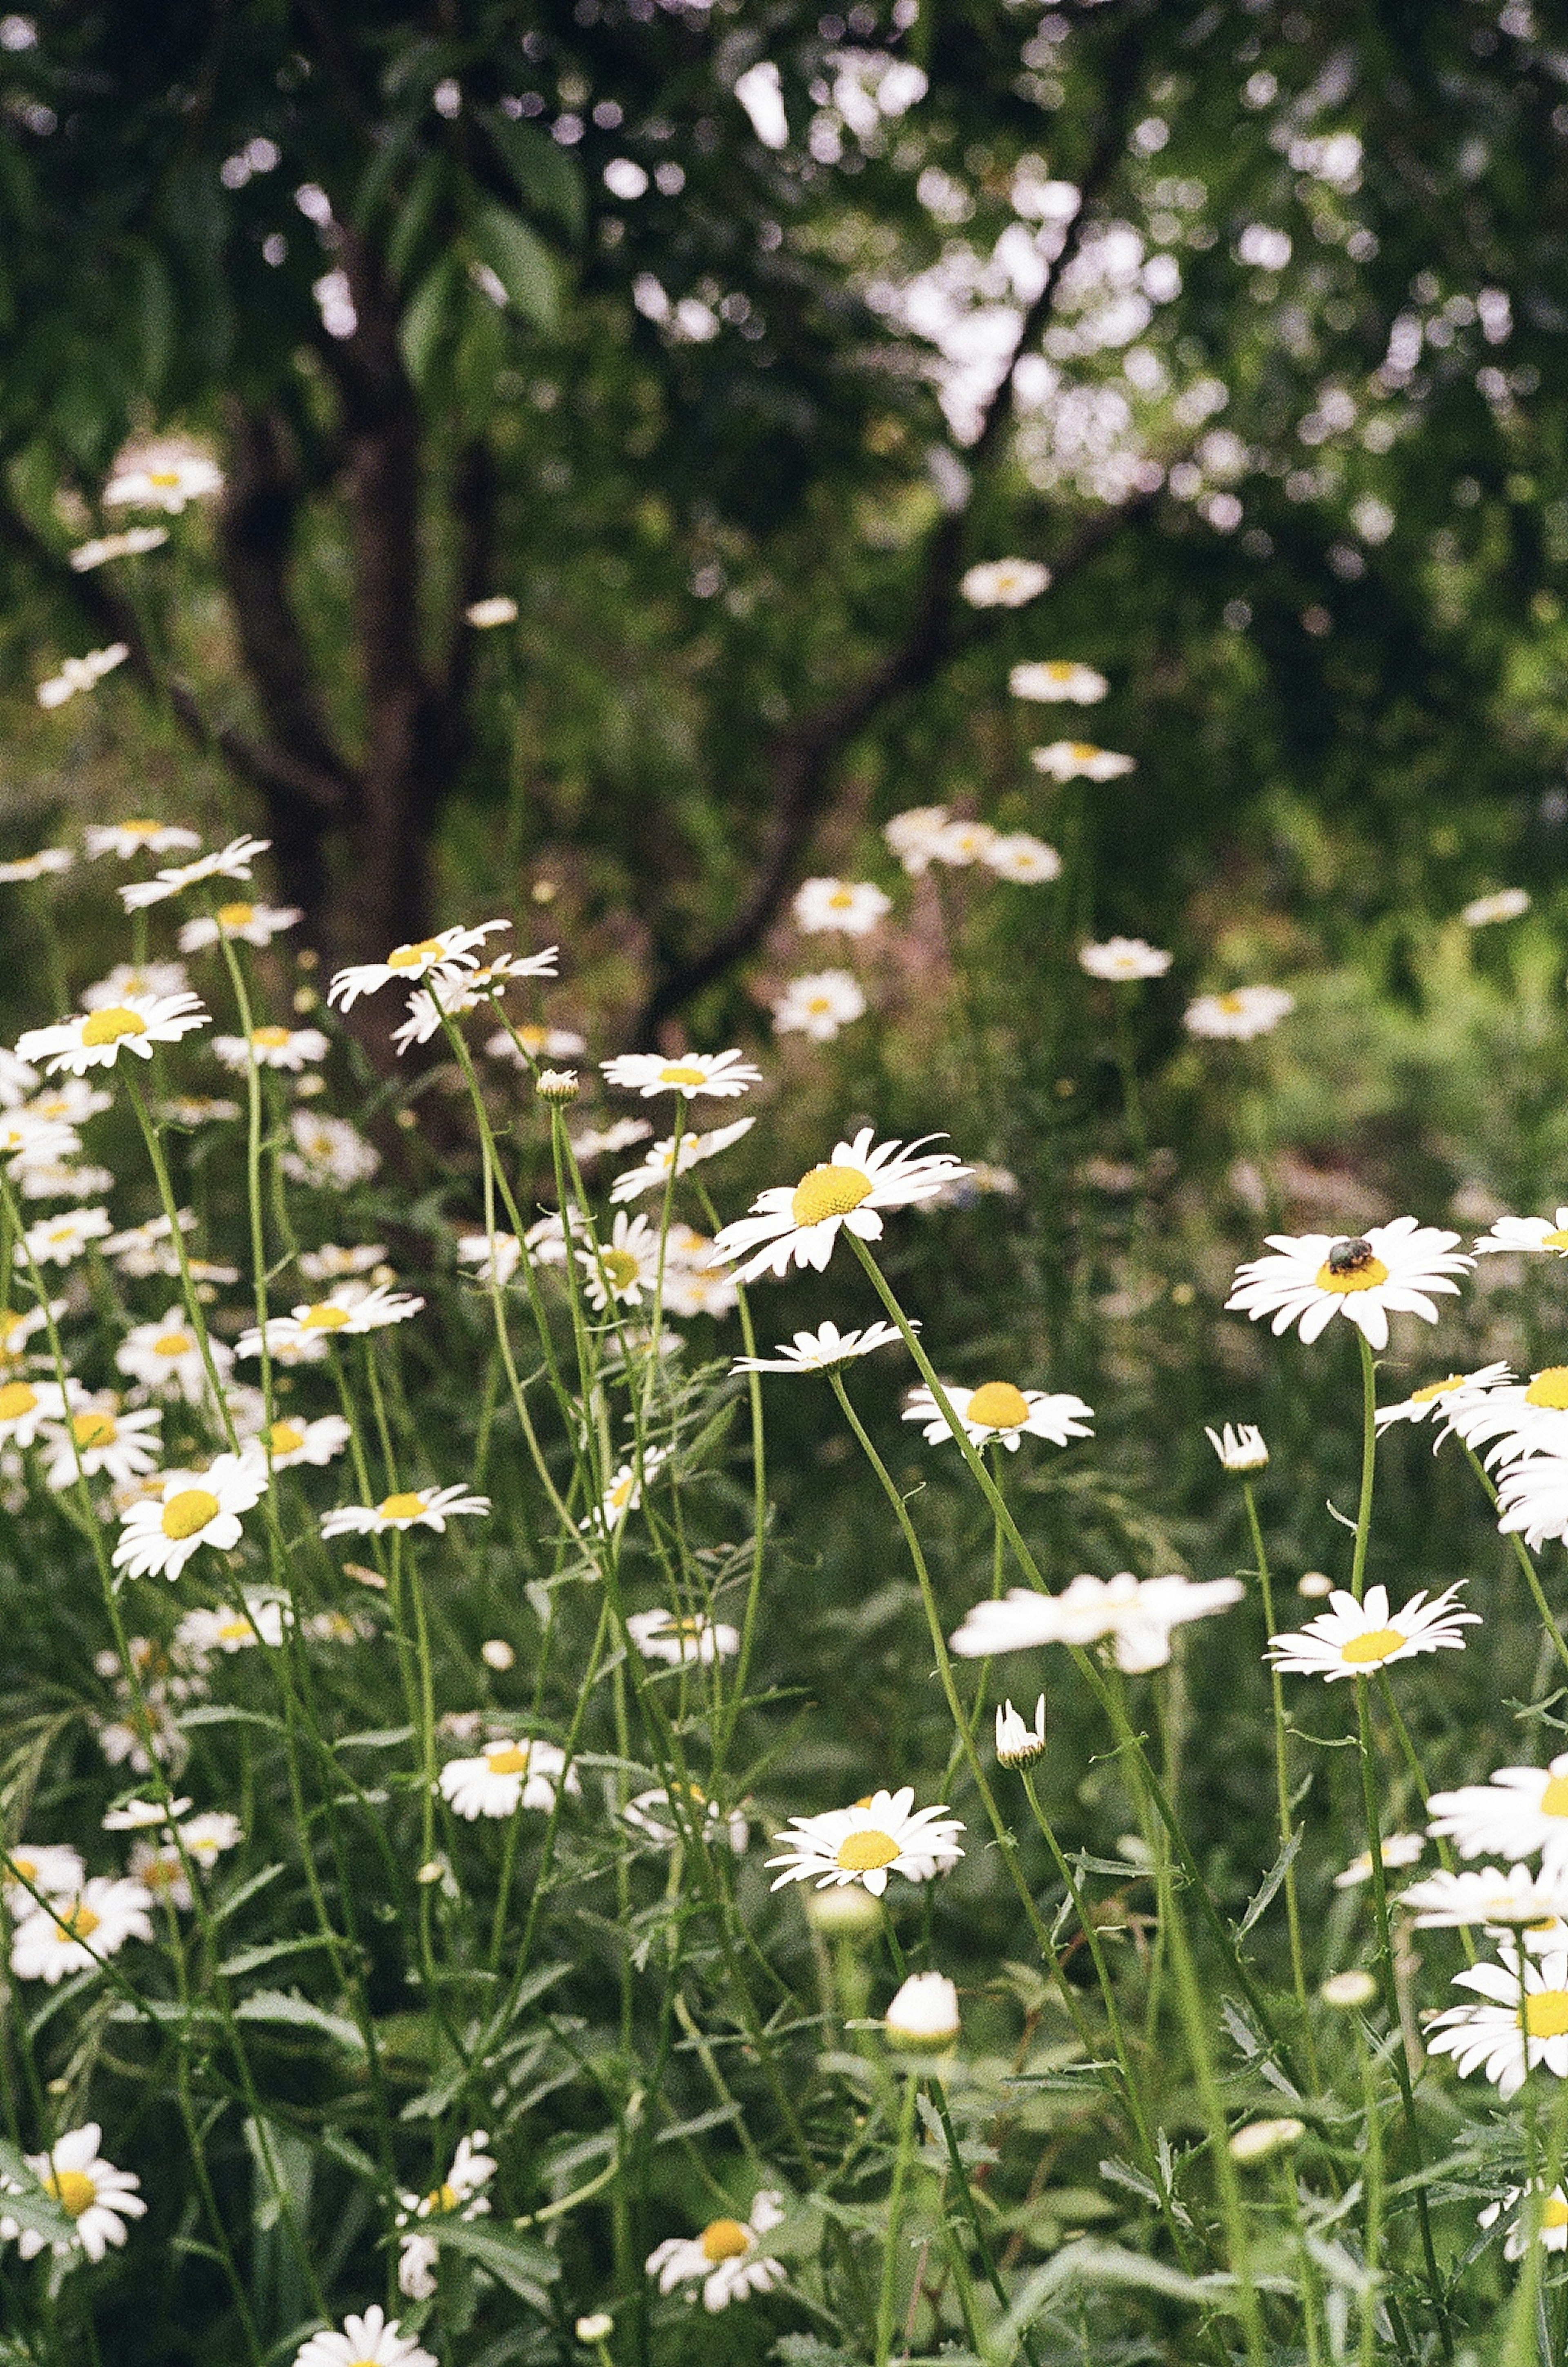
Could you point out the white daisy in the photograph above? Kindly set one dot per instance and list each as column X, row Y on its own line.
column 135, row 978
column 27, row 1136
column 459, row 2195
column 328, row 1152
column 97, row 1439
column 624, row 1493
column 449, row 953
column 202, row 1632
column 75, row 675
column 818, row 1005
column 196, row 1109
column 25, row 1406
column 1019, row 1745
column 510, row 1775
column 1532, row 1499
column 372, row 2340
column 1072, row 760
column 141, row 1815
column 499, row 608
column 963, row 843
column 71, row 1101
column 1489, row 1894
column 881, row 1835
column 698, row 1288
column 1506, row 904
column 1016, row 855
column 545, row 1241
column 348, row 1313
column 1123, row 959
column 923, row 2012
column 660, row 1636
column 1518, row 1811
column 817, row 1352
column 797, row 1225
column 92, row 2192
column 17, row 1079
column 230, row 862
column 493, row 1256
column 271, row 1047
column 1397, row 1850
column 850, row 907
column 999, row 1409
column 725, row 1074
column 59, row 1240
column 1313, row 1276
column 653, row 1172
column 1056, row 682
column 1526, row 2015
column 1241, row 1449
column 161, row 1871
column 191, row 1509
column 915, row 836
column 727, row 2258
column 161, row 476
column 1242, row 1013
column 1453, row 1396
column 1136, row 1618
column 52, row 1867
column 95, row 1039
column 127, row 839
column 1353, row 1640
column 330, row 1264
column 409, row 1508
column 74, row 1934
column 618, row 1271
column 448, row 994
column 47, row 860
column 168, row 1354
column 292, row 1440
column 545, row 1044
column 1004, row 583
column 255, row 924
column 653, row 1814
column 1551, row 2226
column 132, row 543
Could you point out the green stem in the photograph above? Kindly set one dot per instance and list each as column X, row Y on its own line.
column 886, row 2300
column 1368, row 1462
column 1283, row 1784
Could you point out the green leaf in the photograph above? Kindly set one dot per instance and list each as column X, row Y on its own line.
column 28, row 2203
column 1275, row 1876
column 250, row 1960
column 547, row 178
column 522, row 262
column 300, row 2013
column 425, row 319
column 523, row 2266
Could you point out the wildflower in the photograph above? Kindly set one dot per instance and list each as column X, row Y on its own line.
column 818, row 1351
column 330, row 1264
column 1053, row 682
column 17, row 1079
column 1242, row 1013
column 372, row 2340
column 127, row 839
column 95, row 1039
column 497, row 1653
column 411, row 1508
column 1000, row 1411
column 1510, row 1236
column 78, row 674
column 132, row 543
column 25, row 1406
column 74, row 1934
column 271, row 1047
column 59, row 1240
column 449, row 992
column 1395, row 1849
column 1019, row 1745
column 1518, row 1811
column 1136, row 1618
column 18, row 1325
column 1241, row 1449
column 1017, row 855
column 37, row 866
column 1524, row 2022
column 1489, row 1894
column 493, row 1256
column 1346, row 1991
column 695, row 1289
column 51, row 1867
column 653, row 1171
column 850, row 907
column 69, row 1101
column 818, row 1005
column 461, row 2194
column 522, row 1044
column 139, row 1816
column 255, row 924
column 92, row 2192
column 444, row 956
column 292, row 1441
column 1313, row 1276
column 1551, row 2229
column 96, row 1439
column 1123, row 959
column 1260, row 2139
column 726, row 2257
column 557, row 1084
column 660, row 1636
column 924, row 2012
column 498, row 609
column 1352, row 1639
column 198, row 1109
column 349, row 1312
column 724, row 1074
column 1532, row 1498
column 915, row 836
column 1004, row 583
column 798, row 1225
column 163, row 476
column 1072, row 760
column 261, row 1620
column 190, row 1509
column 510, row 1775
column 597, row 2327
column 624, row 1493
column 618, row 1271
column 1442, row 1398
column 963, row 842
column 884, row 1834
column 652, row 1813
column 329, row 1153
column 546, row 1240
column 1507, row 904
column 230, row 862
column 168, row 1354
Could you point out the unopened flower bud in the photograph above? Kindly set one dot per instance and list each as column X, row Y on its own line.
column 498, row 1654
column 596, row 2328
column 845, row 1911
column 1349, row 1990
column 431, row 1870
column 1017, row 1744
column 924, row 2013
column 1315, row 1584
column 1240, row 1448
column 1259, row 2139
column 556, row 1084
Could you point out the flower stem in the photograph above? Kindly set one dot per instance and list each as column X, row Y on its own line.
column 1283, row 1783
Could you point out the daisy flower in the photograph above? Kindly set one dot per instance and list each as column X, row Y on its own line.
column 853, row 908
column 1056, row 682
column 271, row 1047
column 1242, row 1013
column 1397, row 1850
column 191, row 1509
column 1532, row 1499
column 596, row 1142
column 658, row 1636
column 135, row 978
column 329, row 1153
column 818, row 1351
column 292, row 1440
column 51, row 1179
column 451, row 951
column 1514, row 1236
column 450, row 993
column 963, row 842
column 17, row 1079
column 1004, row 583
column 168, row 1354
column 796, row 1225
column 255, row 924
column 348, row 1312
column 1072, row 760
column 372, row 2340
column 1552, row 2222
column 1488, row 1895
column 1017, row 855
column 411, row 1508
column 697, row 1289
column 618, row 1271
column 230, row 862
column 1123, row 959
column 461, row 2194
column 1314, row 1277
column 653, row 1172
column 132, row 543
column 545, row 1241
column 72, row 1101
column 493, row 1256
column 724, row 1074
column 1506, row 904
column 499, row 608
column 141, row 1815
column 202, row 1632
column 510, row 1775
column 1515, row 1812
column 127, row 839
column 143, row 1251
column 92, row 2192
column 1523, row 2023
column 161, row 1871
column 1019, row 1745
column 198, row 1109
column 98, row 1439
column 915, row 836
column 999, row 1409
column 163, row 476
column 1136, row 1617
column 73, row 1935
column 59, row 1240
column 818, row 1005
column 18, row 1325
column 75, row 675
column 727, row 2259
column 624, row 1493
column 1444, row 1398
column 1352, row 1639
column 37, row 866
column 924, row 2012
column 95, row 1039
column 881, row 1835
column 654, row 1814
column 52, row 1867
column 25, row 1406
column 330, row 1264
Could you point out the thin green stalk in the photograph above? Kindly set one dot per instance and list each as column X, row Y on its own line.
column 887, row 2296
column 1369, row 1461
column 1283, row 1784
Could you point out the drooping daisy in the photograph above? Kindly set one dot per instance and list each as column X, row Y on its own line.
column 1000, row 1411
column 271, row 1047
column 1014, row 854
column 447, row 954
column 1525, row 2016
column 618, row 1271
column 1019, row 1745
column 1241, row 1449
column 915, row 836
column 161, row 476
column 168, row 1354
column 818, row 1005
column 963, row 843
column 372, row 2340
column 1124, row 959
column 255, row 924
column 660, row 1636
column 624, row 1493
column 923, row 2012
column 850, row 907
column 1443, row 1398
column 1056, row 682
column 328, row 1153
column 93, row 2194
column 1551, row 2231
column 59, row 1240
column 724, row 1074
column 1072, row 760
column 127, row 839
column 230, row 862
column 818, row 1351
column 597, row 1142
column 95, row 1039
column 74, row 1934
column 260, row 1618
column 1532, row 1498
column 1397, row 1850
column 1354, row 1639
column 411, row 1508
column 542, row 1044
column 655, row 1814
column 52, row 1867
column 25, row 1406
column 1242, row 1013
column 460, row 2195
column 1137, row 1618
column 191, row 1509
column 132, row 543
column 727, row 2258
column 1004, row 583
column 510, row 1775
column 884, row 1834
column 1518, row 1811
column 1514, row 1896
column 1390, row 1269
column 797, row 1226
column 348, row 1312
column 653, row 1171
column 77, row 674
column 292, row 1440
column 1506, row 904
column 493, row 1256
column 96, row 1438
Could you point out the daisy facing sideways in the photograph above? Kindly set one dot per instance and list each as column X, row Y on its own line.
column 1124, row 960
column 1522, row 2023
column 1004, row 583
column 446, row 954
column 850, row 907
column 509, row 1775
column 1527, row 1236
column 1313, row 1278
column 624, row 1493
column 796, row 1225
column 95, row 1039
column 1444, row 1398
column 1135, row 1617
column 191, row 1509
column 74, row 1935
column 254, row 925
column 1551, row 2223
column 1000, row 1411
column 1488, row 1895
column 1532, row 1498
column 1518, row 1811
column 348, row 1312
column 916, row 836
column 459, row 2195
column 723, row 1074
column 1056, row 681
column 271, row 1047
column 1241, row 1013
column 660, row 1636
column 819, row 1351
column 727, row 2259
column 412, row 1508
column 372, row 2340
column 93, row 2194
column 1353, row 1640
column 230, row 862
column 881, row 1835
column 653, row 1172
column 58, row 1241
column 1073, row 760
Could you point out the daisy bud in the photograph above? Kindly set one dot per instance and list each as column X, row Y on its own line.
column 847, row 1910
column 1017, row 1744
column 1349, row 1990
column 407, row 1119
column 1241, row 1448
column 1261, row 2138
column 557, row 1084
column 596, row 2328
column 924, row 2014
column 305, row 998
column 497, row 1654
column 431, row 1870
column 1315, row 1584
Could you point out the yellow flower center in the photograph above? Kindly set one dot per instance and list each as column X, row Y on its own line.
column 26, row 1867
column 1554, row 2214
column 108, row 1027
column 94, row 1429
column 1351, row 1265
column 269, row 1040
column 507, row 1758
column 324, row 1317
column 285, row 1438
column 72, row 2188
column 1549, row 1388
column 1379, row 1645
column 682, row 1073
column 724, row 2239
column 862, row 1853
column 173, row 1343
column 236, row 916
column 78, row 1922
column 621, row 1269
column 140, row 828
column 162, row 1872
column 840, row 899
column 1231, row 1001
column 815, row 1003
column 533, row 1039
column 1557, row 1240
column 1082, row 751
column 620, row 1495
column 1554, row 1799
column 163, row 476
column 188, row 1512
column 439, row 2202
column 16, row 1399
column 414, row 956
column 1546, row 2014
column 828, row 1191
column 1435, row 1389
column 999, row 1406
column 405, row 1507
column 235, row 1631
